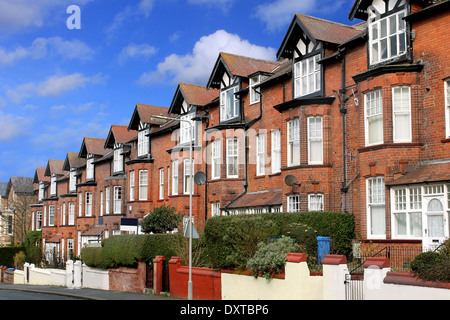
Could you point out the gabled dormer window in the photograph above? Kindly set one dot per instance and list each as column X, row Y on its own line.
column 41, row 190
column 143, row 142
column 53, row 186
column 387, row 36
column 307, row 76
column 90, row 167
column 255, row 96
column 118, row 160
column 229, row 104
column 73, row 180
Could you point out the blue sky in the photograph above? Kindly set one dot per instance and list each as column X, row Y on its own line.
column 58, row 85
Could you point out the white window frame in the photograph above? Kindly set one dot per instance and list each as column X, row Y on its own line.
column 216, row 159
column 261, row 154
column 39, row 220
column 53, row 185
column 373, row 111
column 375, row 191
column 117, row 199
column 102, row 203
column 90, row 168
column 315, row 202
column 406, row 202
column 232, row 157
column 227, row 111
column 215, row 209
column 293, row 202
column 71, row 218
column 118, row 160
column 175, row 177
column 307, row 76
column 63, row 214
column 187, row 182
column 73, row 180
column 107, row 200
column 132, row 184
column 41, row 190
column 143, row 142
column 276, row 150
column 255, row 96
column 401, row 97
column 293, row 142
column 395, row 29
column 187, row 127
column 315, row 140
column 143, row 185
column 51, row 215
column 80, row 204
column 88, row 204
column 161, row 183
column 447, row 107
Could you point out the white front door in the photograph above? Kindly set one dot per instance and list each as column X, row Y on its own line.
column 436, row 227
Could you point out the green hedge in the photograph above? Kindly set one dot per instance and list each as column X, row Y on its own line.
column 340, row 227
column 7, row 255
column 127, row 250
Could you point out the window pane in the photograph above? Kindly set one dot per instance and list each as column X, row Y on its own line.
column 377, row 219
column 401, row 224
column 415, row 224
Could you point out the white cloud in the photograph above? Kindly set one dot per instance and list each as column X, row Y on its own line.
column 195, row 67
column 136, row 51
column 12, row 126
column 48, row 47
column 52, row 86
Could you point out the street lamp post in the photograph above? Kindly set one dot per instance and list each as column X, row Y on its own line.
column 191, row 160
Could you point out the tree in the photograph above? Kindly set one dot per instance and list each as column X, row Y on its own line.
column 161, row 220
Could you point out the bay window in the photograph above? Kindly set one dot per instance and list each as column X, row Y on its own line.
column 293, row 128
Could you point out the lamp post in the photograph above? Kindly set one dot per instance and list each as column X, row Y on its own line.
column 191, row 160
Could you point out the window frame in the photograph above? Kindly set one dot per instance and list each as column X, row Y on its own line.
column 293, row 202
column 216, row 159
column 293, row 142
column 143, row 185
column 378, row 99
column 234, row 155
column 118, row 160
column 302, row 78
column 143, row 142
column 398, row 34
column 117, row 207
column 375, row 184
column 320, row 203
column 187, row 177
column 395, row 113
column 224, row 107
column 51, row 215
column 261, row 146
column 312, row 139
column 90, row 169
column 132, row 193
column 255, row 97
column 88, row 204
column 276, row 151
column 175, row 177
column 161, row 183
column 447, row 107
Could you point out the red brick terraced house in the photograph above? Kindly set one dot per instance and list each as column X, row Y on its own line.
column 352, row 118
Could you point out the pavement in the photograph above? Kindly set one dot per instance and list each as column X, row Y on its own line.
column 84, row 293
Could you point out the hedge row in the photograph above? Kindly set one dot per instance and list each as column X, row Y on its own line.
column 7, row 255
column 127, row 250
column 335, row 225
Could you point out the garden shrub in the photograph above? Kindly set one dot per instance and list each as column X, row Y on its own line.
column 270, row 258
column 340, row 227
column 161, row 220
column 433, row 266
column 303, row 235
column 7, row 255
column 33, row 244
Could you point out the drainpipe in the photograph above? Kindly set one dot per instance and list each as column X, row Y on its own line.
column 343, row 111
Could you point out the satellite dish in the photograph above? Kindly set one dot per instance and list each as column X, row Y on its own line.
column 200, row 178
column 290, row 180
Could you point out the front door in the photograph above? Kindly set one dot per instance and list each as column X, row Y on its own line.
column 436, row 227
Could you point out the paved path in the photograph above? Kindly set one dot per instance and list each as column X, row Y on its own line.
column 84, row 293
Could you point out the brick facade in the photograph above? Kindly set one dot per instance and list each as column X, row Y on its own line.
column 321, row 128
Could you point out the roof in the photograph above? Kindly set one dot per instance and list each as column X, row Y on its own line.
column 20, row 185
column 54, row 167
column 119, row 134
column 258, row 199
column 316, row 29
column 238, row 66
column 143, row 113
column 72, row 161
column 94, row 231
column 425, row 172
column 194, row 95
column 95, row 146
column 39, row 175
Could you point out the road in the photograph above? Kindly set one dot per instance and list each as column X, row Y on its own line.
column 24, row 295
